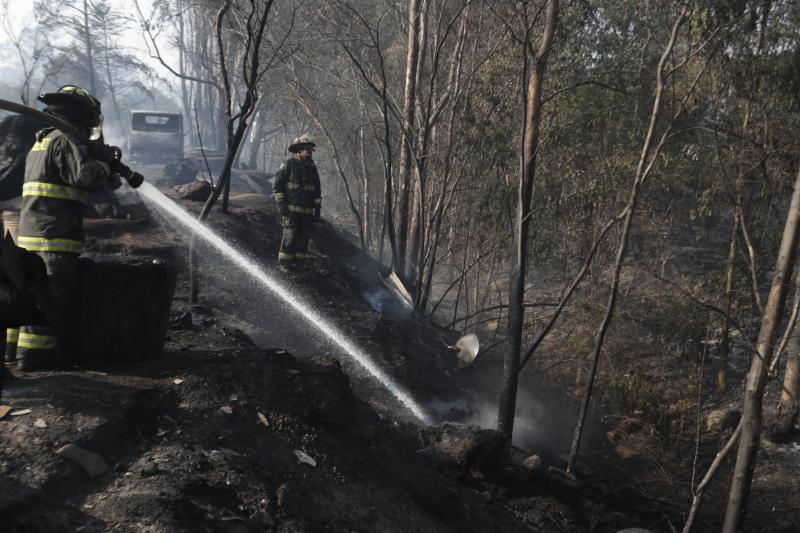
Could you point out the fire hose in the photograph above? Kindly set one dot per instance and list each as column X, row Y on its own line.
column 134, row 179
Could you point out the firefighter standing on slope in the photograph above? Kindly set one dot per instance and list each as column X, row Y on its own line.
column 297, row 191
column 59, row 171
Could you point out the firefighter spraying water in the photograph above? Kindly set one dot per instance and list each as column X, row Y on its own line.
column 64, row 163
column 69, row 158
column 273, row 285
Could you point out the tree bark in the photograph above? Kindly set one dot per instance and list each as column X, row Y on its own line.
column 531, row 129
column 185, row 93
column 112, row 90
column 697, row 498
column 788, row 407
column 365, row 190
column 407, row 137
column 257, row 131
column 89, row 49
column 722, row 369
column 441, row 207
column 417, row 192
column 756, row 377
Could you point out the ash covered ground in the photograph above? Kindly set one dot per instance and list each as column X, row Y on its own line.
column 252, row 421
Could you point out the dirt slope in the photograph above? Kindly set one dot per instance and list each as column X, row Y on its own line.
column 223, row 435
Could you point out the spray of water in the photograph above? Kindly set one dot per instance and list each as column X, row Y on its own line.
column 152, row 195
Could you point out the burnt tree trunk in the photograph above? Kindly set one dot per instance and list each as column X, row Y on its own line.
column 530, row 143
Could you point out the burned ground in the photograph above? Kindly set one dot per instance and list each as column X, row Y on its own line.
column 222, row 435
column 251, row 421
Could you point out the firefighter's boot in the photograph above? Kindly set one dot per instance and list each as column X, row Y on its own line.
column 37, row 349
column 12, row 336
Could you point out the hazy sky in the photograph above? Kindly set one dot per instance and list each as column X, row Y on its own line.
column 21, row 16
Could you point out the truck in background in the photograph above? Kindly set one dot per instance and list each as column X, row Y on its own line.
column 155, row 137
column 156, row 146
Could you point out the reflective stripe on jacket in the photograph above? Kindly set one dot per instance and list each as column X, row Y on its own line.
column 297, row 184
column 58, row 175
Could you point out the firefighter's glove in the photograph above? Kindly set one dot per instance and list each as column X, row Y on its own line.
column 100, row 151
column 114, row 182
column 112, row 156
column 284, row 209
column 316, row 214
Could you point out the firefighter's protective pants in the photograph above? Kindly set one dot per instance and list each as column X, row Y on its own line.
column 47, row 346
column 9, row 223
column 297, row 231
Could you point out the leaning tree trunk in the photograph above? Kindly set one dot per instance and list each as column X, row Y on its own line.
column 757, row 375
column 642, row 170
column 516, row 310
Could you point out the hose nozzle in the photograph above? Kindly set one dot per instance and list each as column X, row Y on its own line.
column 134, row 179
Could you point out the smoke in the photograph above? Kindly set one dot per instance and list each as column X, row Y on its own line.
column 388, row 304
column 541, row 424
column 115, row 136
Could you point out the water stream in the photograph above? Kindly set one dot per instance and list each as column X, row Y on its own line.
column 154, row 197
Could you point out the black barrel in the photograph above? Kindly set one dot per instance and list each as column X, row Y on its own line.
column 124, row 309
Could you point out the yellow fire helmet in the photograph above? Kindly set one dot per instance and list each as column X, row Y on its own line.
column 72, row 96
column 303, row 141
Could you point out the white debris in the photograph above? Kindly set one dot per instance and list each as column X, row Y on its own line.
column 21, row 412
column 232, row 518
column 533, row 463
column 177, row 381
column 93, row 463
column 263, row 419
column 303, row 457
column 40, row 423
column 231, row 453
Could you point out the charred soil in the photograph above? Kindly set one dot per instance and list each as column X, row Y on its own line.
column 252, row 421
column 223, row 434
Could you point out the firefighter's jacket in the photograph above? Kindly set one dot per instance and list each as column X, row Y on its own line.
column 58, row 175
column 297, row 184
